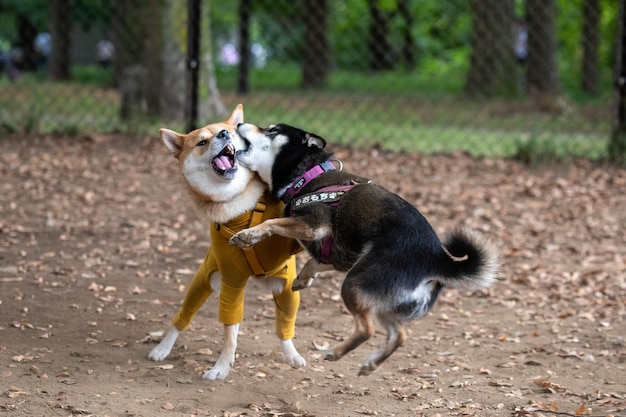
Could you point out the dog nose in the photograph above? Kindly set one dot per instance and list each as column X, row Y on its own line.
column 239, row 125
column 223, row 134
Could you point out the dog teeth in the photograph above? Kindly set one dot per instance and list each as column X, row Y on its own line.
column 226, row 158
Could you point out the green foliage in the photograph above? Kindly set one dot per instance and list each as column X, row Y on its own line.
column 408, row 125
column 531, row 150
column 286, row 77
column 85, row 13
column 441, row 32
column 569, row 32
column 401, row 110
column 35, row 10
column 393, row 121
column 88, row 13
column 93, row 74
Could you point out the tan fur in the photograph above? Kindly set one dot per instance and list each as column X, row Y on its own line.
column 222, row 191
column 292, row 227
column 216, row 199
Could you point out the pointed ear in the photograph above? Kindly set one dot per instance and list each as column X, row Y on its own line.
column 173, row 141
column 237, row 116
column 314, row 140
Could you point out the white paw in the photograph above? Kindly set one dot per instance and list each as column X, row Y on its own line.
column 217, row 372
column 292, row 357
column 159, row 353
column 221, row 368
column 163, row 349
column 301, row 283
column 243, row 239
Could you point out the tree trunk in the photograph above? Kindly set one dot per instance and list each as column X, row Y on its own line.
column 381, row 53
column 315, row 48
column 591, row 45
column 493, row 66
column 127, row 36
column 60, row 30
column 243, row 84
column 173, row 61
column 213, row 107
column 194, row 17
column 543, row 82
column 408, row 43
column 26, row 32
column 138, row 39
column 152, row 22
column 617, row 143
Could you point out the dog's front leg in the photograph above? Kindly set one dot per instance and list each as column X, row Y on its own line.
column 308, row 273
column 294, row 227
column 251, row 236
column 163, row 349
column 227, row 357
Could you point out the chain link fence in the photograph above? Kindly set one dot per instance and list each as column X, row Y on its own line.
column 509, row 78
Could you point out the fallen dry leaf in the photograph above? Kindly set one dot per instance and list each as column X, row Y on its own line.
column 91, row 225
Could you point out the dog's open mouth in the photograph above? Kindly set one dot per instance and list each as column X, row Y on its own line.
column 225, row 161
column 246, row 143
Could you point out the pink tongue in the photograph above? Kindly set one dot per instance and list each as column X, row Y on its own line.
column 222, row 162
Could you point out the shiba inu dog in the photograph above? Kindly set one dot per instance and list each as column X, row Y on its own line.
column 396, row 265
column 230, row 198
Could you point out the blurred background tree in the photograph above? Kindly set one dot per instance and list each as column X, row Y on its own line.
column 406, row 56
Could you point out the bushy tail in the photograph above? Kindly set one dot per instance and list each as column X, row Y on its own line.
column 467, row 261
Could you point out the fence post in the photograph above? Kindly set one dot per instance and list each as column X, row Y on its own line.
column 617, row 143
column 243, row 83
column 193, row 63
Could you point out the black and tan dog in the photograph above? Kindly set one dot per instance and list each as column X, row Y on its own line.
column 396, row 265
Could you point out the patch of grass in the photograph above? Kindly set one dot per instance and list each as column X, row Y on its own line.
column 94, row 75
column 46, row 106
column 495, row 129
column 285, row 77
column 398, row 114
column 539, row 149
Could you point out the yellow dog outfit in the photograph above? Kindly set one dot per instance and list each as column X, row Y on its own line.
column 273, row 257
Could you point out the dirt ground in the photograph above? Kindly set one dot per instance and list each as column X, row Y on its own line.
column 98, row 242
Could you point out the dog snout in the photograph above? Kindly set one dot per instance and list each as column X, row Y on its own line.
column 223, row 134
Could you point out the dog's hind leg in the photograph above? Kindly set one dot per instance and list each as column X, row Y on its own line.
column 292, row 357
column 364, row 325
column 227, row 357
column 395, row 338
column 287, row 303
column 195, row 297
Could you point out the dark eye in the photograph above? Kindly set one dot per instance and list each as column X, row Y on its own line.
column 201, row 143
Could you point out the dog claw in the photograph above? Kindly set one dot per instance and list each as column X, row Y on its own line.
column 241, row 240
column 300, row 284
column 367, row 369
column 331, row 356
column 215, row 374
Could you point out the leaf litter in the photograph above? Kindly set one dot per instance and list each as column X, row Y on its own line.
column 98, row 241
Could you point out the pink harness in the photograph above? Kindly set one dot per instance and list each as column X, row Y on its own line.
column 327, row 195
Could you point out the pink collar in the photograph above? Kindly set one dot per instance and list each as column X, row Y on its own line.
column 306, row 178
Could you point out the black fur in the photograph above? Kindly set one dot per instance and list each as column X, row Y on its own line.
column 396, row 265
